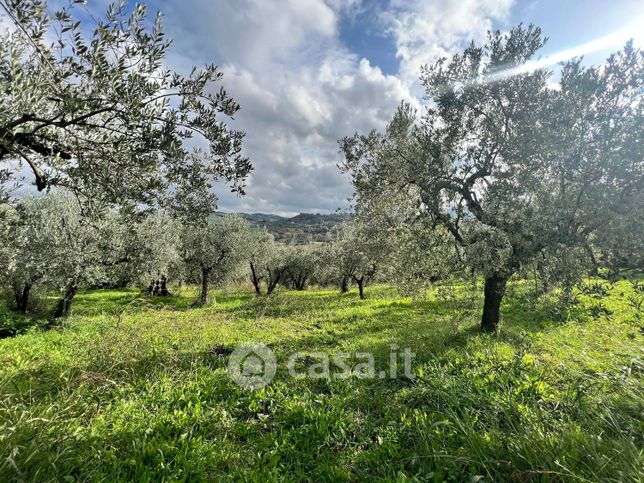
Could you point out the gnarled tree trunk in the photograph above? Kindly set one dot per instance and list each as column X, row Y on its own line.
column 164, row 287
column 65, row 303
column 541, row 273
column 255, row 279
column 22, row 297
column 360, row 282
column 344, row 285
column 205, row 274
column 300, row 282
column 494, row 291
column 273, row 279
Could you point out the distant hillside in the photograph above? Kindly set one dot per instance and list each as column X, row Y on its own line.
column 302, row 228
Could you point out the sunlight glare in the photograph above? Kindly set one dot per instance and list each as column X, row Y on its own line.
column 633, row 31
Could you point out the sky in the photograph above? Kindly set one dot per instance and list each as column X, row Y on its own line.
column 309, row 72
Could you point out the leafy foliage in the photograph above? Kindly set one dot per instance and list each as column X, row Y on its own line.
column 513, row 168
column 50, row 243
column 215, row 250
column 95, row 109
column 357, row 253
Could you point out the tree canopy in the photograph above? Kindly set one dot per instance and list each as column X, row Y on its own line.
column 510, row 164
column 215, row 250
column 92, row 106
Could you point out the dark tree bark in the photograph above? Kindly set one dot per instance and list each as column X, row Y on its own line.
column 205, row 274
column 300, row 282
column 273, row 279
column 164, row 287
column 344, row 285
column 22, row 297
column 255, row 279
column 6, row 332
column 360, row 282
column 65, row 303
column 271, row 286
column 494, row 291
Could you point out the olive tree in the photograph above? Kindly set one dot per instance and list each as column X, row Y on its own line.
column 302, row 264
column 51, row 243
column 86, row 250
column 327, row 273
column 215, row 249
column 269, row 261
column 152, row 245
column 511, row 167
column 275, row 266
column 357, row 254
column 27, row 239
column 259, row 244
column 414, row 253
column 420, row 255
column 88, row 104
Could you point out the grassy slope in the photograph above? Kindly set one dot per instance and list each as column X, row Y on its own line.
column 127, row 390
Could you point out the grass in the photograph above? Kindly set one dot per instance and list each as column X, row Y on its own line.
column 128, row 390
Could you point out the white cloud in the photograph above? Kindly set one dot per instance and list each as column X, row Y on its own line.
column 301, row 89
column 427, row 30
column 252, row 33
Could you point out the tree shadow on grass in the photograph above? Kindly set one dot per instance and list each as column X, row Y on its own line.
column 12, row 324
column 444, row 323
column 152, row 419
column 149, row 427
column 429, row 339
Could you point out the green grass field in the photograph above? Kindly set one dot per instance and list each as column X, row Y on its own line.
column 127, row 389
